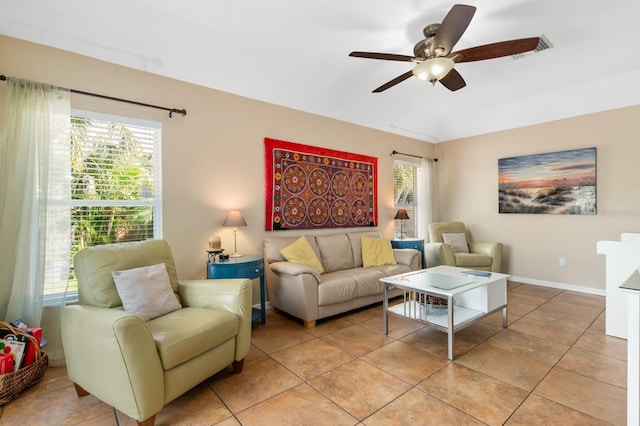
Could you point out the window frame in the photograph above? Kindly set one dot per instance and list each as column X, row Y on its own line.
column 155, row 202
column 412, row 208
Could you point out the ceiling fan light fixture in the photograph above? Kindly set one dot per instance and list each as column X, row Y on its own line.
column 434, row 55
column 433, row 69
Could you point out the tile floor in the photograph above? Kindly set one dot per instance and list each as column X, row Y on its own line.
column 553, row 365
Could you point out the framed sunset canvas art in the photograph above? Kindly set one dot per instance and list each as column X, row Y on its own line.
column 562, row 182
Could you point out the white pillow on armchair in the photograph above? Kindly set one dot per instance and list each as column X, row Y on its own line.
column 146, row 291
column 457, row 241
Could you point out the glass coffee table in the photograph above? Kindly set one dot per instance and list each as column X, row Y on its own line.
column 471, row 297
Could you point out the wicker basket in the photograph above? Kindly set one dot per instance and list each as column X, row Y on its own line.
column 11, row 384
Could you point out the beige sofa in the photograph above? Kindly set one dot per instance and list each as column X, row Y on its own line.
column 303, row 292
column 137, row 366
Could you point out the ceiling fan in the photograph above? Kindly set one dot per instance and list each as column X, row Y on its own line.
column 433, row 55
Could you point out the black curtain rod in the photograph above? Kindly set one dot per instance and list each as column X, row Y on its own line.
column 182, row 112
column 394, row 152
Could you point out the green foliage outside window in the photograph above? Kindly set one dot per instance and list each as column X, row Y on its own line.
column 404, row 188
column 112, row 184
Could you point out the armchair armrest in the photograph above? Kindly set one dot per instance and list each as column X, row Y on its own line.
column 114, row 347
column 409, row 257
column 439, row 254
column 232, row 295
column 493, row 249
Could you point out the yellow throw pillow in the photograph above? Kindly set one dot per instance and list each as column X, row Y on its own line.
column 301, row 252
column 377, row 252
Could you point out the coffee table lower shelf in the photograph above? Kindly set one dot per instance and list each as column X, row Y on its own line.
column 468, row 299
column 462, row 318
column 416, row 311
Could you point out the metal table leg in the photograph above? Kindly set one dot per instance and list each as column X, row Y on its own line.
column 450, row 328
column 385, row 307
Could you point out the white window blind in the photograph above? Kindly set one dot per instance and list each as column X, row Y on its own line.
column 116, row 185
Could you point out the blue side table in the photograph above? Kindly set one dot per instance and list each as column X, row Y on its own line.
column 247, row 266
column 410, row 243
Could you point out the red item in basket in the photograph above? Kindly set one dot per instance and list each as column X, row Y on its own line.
column 6, row 363
column 30, row 355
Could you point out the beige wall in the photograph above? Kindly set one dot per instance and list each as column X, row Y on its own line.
column 534, row 243
column 213, row 162
column 213, row 159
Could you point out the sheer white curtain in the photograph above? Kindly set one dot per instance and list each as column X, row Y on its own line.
column 34, row 192
column 428, row 196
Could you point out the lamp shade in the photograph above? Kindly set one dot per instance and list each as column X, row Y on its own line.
column 234, row 218
column 401, row 214
column 433, row 69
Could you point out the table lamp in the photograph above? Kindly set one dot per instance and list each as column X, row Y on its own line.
column 402, row 215
column 234, row 218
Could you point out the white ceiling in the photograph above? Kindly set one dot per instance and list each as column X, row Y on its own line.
column 294, row 53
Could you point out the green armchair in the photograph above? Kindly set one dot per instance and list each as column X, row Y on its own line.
column 450, row 244
column 139, row 366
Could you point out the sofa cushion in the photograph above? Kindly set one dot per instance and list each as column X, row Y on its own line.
column 188, row 332
column 336, row 287
column 301, row 251
column 457, row 241
column 335, row 252
column 377, row 252
column 146, row 291
column 388, row 270
column 356, row 245
column 368, row 281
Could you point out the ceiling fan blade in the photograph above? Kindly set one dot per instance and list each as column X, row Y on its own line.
column 393, row 82
column 453, row 81
column 495, row 50
column 452, row 27
column 383, row 56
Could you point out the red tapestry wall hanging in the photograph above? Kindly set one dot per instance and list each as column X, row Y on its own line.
column 308, row 187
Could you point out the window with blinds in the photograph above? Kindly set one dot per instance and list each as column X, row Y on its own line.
column 405, row 194
column 115, row 179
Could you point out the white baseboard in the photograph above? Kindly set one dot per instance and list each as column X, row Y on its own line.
column 560, row 286
column 267, row 306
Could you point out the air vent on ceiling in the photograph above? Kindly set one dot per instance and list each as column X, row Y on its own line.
column 543, row 44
